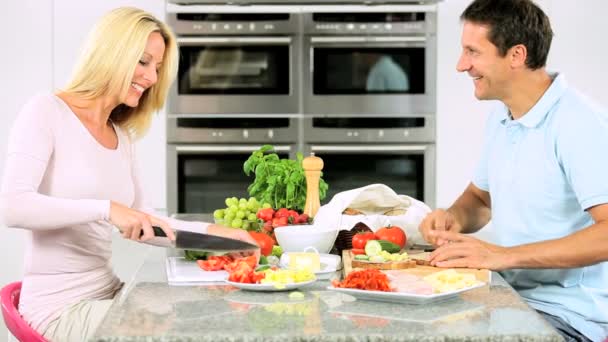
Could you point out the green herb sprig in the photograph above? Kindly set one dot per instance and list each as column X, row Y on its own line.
column 280, row 182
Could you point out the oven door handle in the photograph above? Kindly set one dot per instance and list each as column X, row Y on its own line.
column 190, row 41
column 366, row 39
column 368, row 148
column 197, row 149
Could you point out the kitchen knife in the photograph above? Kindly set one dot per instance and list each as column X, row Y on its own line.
column 423, row 247
column 204, row 242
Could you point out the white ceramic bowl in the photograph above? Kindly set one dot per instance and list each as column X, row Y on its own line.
column 296, row 238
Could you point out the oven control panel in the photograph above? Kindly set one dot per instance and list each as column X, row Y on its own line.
column 364, row 28
column 370, row 23
column 185, row 24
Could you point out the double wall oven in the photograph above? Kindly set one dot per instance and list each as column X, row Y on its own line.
column 354, row 84
column 357, row 151
column 236, row 63
column 369, row 63
column 236, row 90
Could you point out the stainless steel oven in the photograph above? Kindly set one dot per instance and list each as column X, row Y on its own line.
column 236, row 63
column 357, row 151
column 301, row 2
column 305, row 79
column 203, row 175
column 205, row 156
column 216, row 129
column 368, row 62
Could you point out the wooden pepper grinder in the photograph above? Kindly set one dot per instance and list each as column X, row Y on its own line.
column 312, row 166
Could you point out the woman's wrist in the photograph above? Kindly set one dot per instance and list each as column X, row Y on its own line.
column 106, row 210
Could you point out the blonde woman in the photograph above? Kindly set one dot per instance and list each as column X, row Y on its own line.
column 70, row 174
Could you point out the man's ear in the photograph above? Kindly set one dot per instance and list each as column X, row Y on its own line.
column 518, row 55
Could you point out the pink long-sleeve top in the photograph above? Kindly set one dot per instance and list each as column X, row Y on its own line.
column 58, row 184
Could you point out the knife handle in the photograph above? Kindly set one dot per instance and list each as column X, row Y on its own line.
column 158, row 231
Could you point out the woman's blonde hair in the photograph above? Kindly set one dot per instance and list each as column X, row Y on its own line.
column 108, row 60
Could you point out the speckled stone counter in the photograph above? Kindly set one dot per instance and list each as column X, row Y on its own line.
column 148, row 309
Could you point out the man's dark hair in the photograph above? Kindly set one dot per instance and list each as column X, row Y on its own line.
column 514, row 22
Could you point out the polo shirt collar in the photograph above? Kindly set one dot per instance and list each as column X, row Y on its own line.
column 539, row 111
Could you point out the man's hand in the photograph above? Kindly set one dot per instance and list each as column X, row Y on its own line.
column 466, row 251
column 438, row 220
column 132, row 222
column 237, row 234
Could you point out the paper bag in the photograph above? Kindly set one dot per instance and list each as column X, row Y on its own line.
column 376, row 206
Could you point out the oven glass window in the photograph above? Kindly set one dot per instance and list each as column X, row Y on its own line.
column 347, row 71
column 205, row 181
column 247, row 69
column 402, row 173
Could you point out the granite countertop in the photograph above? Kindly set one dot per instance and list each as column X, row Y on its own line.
column 148, row 309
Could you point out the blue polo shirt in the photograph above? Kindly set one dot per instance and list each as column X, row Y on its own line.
column 542, row 172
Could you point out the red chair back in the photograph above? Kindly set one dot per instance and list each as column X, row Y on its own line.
column 9, row 298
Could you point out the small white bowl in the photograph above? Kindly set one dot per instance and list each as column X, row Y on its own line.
column 330, row 264
column 297, row 238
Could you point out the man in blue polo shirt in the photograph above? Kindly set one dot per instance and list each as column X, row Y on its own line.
column 542, row 178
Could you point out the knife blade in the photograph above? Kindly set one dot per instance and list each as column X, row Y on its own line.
column 204, row 242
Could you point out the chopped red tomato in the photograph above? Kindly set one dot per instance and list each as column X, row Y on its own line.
column 251, row 261
column 242, row 273
column 210, row 265
column 241, row 270
column 258, row 276
column 223, row 258
column 214, row 263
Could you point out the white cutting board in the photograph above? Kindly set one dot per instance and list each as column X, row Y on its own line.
column 183, row 272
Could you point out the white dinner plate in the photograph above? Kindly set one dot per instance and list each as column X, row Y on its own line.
column 269, row 287
column 402, row 297
column 326, row 274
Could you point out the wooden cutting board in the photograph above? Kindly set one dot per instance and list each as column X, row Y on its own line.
column 392, row 265
column 420, row 268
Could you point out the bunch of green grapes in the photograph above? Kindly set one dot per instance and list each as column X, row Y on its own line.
column 239, row 213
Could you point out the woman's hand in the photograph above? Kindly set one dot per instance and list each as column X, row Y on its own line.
column 237, row 234
column 132, row 222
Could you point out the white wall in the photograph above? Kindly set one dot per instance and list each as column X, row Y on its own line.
column 70, row 32
column 38, row 56
column 578, row 50
column 461, row 117
column 25, row 68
